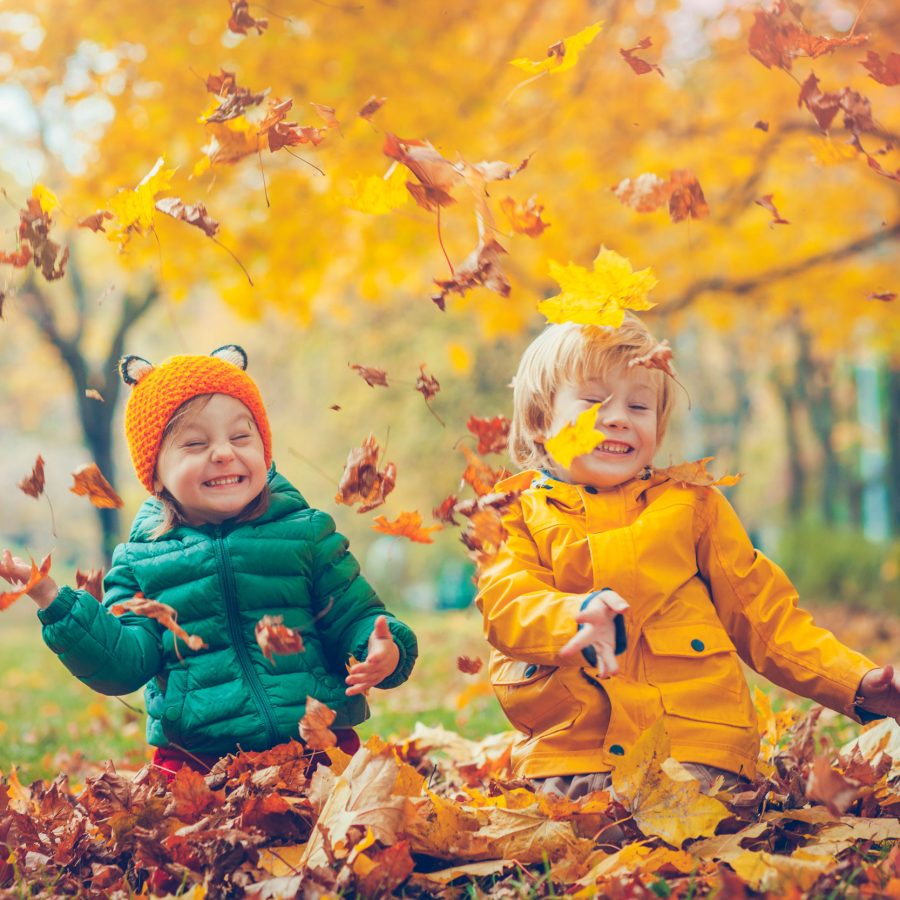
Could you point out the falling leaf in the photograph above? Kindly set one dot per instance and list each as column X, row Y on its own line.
column 408, row 525
column 480, row 267
column 576, row 438
column 371, row 375
column 94, row 394
column 160, row 612
column 133, row 211
column 828, row 786
column 766, row 202
column 371, row 106
column 645, row 193
column 236, row 100
column 883, row 71
column 778, row 43
column 694, row 473
column 492, row 434
column 640, row 66
column 195, row 214
column 686, row 200
column 436, row 175
column 468, row 666
column 33, row 484
column 46, row 199
column 35, row 243
column 279, row 133
column 90, row 483
column 314, row 726
column 524, row 218
column 90, row 581
column 761, row 125
column 497, row 501
column 601, row 296
column 273, row 636
column 663, row 807
column 95, row 221
column 824, row 106
column 484, row 536
column 561, row 56
column 660, row 357
column 327, row 113
column 883, row 296
column 427, row 385
column 479, row 475
column 444, row 511
column 38, row 574
column 361, row 481
column 241, row 20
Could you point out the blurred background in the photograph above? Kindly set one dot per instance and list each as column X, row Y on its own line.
column 778, row 291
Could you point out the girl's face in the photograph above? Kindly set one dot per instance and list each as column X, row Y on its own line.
column 627, row 418
column 213, row 462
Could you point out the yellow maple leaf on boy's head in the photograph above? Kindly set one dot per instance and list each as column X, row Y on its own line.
column 601, row 296
column 576, row 438
column 562, row 55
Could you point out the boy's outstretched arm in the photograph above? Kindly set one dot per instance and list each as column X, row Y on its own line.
column 597, row 630
column 879, row 692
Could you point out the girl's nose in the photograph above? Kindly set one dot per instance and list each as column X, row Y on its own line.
column 221, row 452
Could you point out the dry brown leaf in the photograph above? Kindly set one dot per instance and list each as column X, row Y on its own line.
column 274, row 637
column 480, row 267
column 883, row 71
column 361, row 482
column 95, row 221
column 468, row 666
column 241, row 21
column 371, row 375
column 195, row 214
column 427, row 385
column 160, row 612
column 828, row 786
column 444, row 512
column 33, row 484
column 90, row 483
column 90, row 581
column 660, row 357
column 695, row 473
column 638, row 65
column 327, row 113
column 314, row 726
column 766, row 202
column 492, row 434
column 371, row 106
column 686, row 199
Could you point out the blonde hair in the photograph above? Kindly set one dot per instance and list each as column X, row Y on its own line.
column 172, row 514
column 569, row 353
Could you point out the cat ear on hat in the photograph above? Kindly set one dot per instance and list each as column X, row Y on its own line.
column 232, row 353
column 133, row 369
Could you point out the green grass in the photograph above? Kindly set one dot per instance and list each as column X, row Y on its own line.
column 50, row 722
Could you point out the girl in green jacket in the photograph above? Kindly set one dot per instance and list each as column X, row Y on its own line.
column 224, row 541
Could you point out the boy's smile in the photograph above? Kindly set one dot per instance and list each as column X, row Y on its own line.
column 627, row 418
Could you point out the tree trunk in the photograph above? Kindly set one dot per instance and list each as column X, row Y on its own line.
column 95, row 417
column 787, row 392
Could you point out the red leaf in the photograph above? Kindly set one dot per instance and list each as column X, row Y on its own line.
column 33, row 484
column 371, row 375
column 444, row 512
column 640, row 66
column 468, row 666
column 95, row 221
column 241, row 20
column 884, row 72
column 273, row 636
column 492, row 434
column 427, row 385
column 192, row 795
column 824, row 106
column 660, row 357
column 687, row 198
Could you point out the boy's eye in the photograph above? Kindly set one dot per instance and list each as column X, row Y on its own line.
column 639, row 406
column 240, row 437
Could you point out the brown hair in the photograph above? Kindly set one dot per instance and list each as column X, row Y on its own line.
column 567, row 353
column 172, row 514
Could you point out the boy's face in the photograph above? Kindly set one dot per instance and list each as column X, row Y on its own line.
column 213, row 464
column 627, row 418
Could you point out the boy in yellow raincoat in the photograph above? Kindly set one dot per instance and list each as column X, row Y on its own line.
column 607, row 541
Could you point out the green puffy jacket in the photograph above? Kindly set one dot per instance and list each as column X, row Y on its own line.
column 221, row 579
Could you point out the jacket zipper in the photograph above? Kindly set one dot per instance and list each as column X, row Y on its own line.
column 226, row 578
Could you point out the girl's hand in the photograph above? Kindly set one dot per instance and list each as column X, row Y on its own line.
column 599, row 631
column 17, row 572
column 381, row 660
column 879, row 692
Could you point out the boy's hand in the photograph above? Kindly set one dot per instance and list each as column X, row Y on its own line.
column 879, row 692
column 17, row 572
column 598, row 631
column 381, row 660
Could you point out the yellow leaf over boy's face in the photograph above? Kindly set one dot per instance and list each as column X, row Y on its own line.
column 576, row 438
column 600, row 296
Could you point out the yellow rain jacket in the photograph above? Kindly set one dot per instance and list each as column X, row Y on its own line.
column 701, row 599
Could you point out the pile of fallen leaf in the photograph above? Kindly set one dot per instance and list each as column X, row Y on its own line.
column 438, row 815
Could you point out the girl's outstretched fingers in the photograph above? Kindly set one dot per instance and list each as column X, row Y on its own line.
column 381, row 660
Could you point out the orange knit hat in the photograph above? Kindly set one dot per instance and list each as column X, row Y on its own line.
column 158, row 391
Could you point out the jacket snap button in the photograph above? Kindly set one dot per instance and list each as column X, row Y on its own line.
column 530, row 670
column 590, row 489
column 617, row 749
column 171, row 713
column 698, row 645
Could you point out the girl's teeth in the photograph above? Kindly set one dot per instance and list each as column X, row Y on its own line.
column 219, row 481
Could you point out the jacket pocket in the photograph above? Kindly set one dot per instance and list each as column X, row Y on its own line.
column 172, row 718
column 696, row 669
column 535, row 698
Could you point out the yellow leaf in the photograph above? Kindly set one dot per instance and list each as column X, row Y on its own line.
column 45, row 197
column 281, row 861
column 601, row 296
column 135, row 210
column 767, row 872
column 827, row 153
column 672, row 810
column 565, row 59
column 576, row 439
column 376, row 195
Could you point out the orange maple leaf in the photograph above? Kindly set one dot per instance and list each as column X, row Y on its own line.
column 484, row 536
column 524, row 218
column 492, row 434
column 90, row 581
column 660, row 357
column 361, row 480
column 695, row 473
column 162, row 613
column 192, row 795
column 90, row 483
column 273, row 636
column 33, row 484
column 314, row 726
column 479, row 475
column 38, row 574
column 408, row 525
